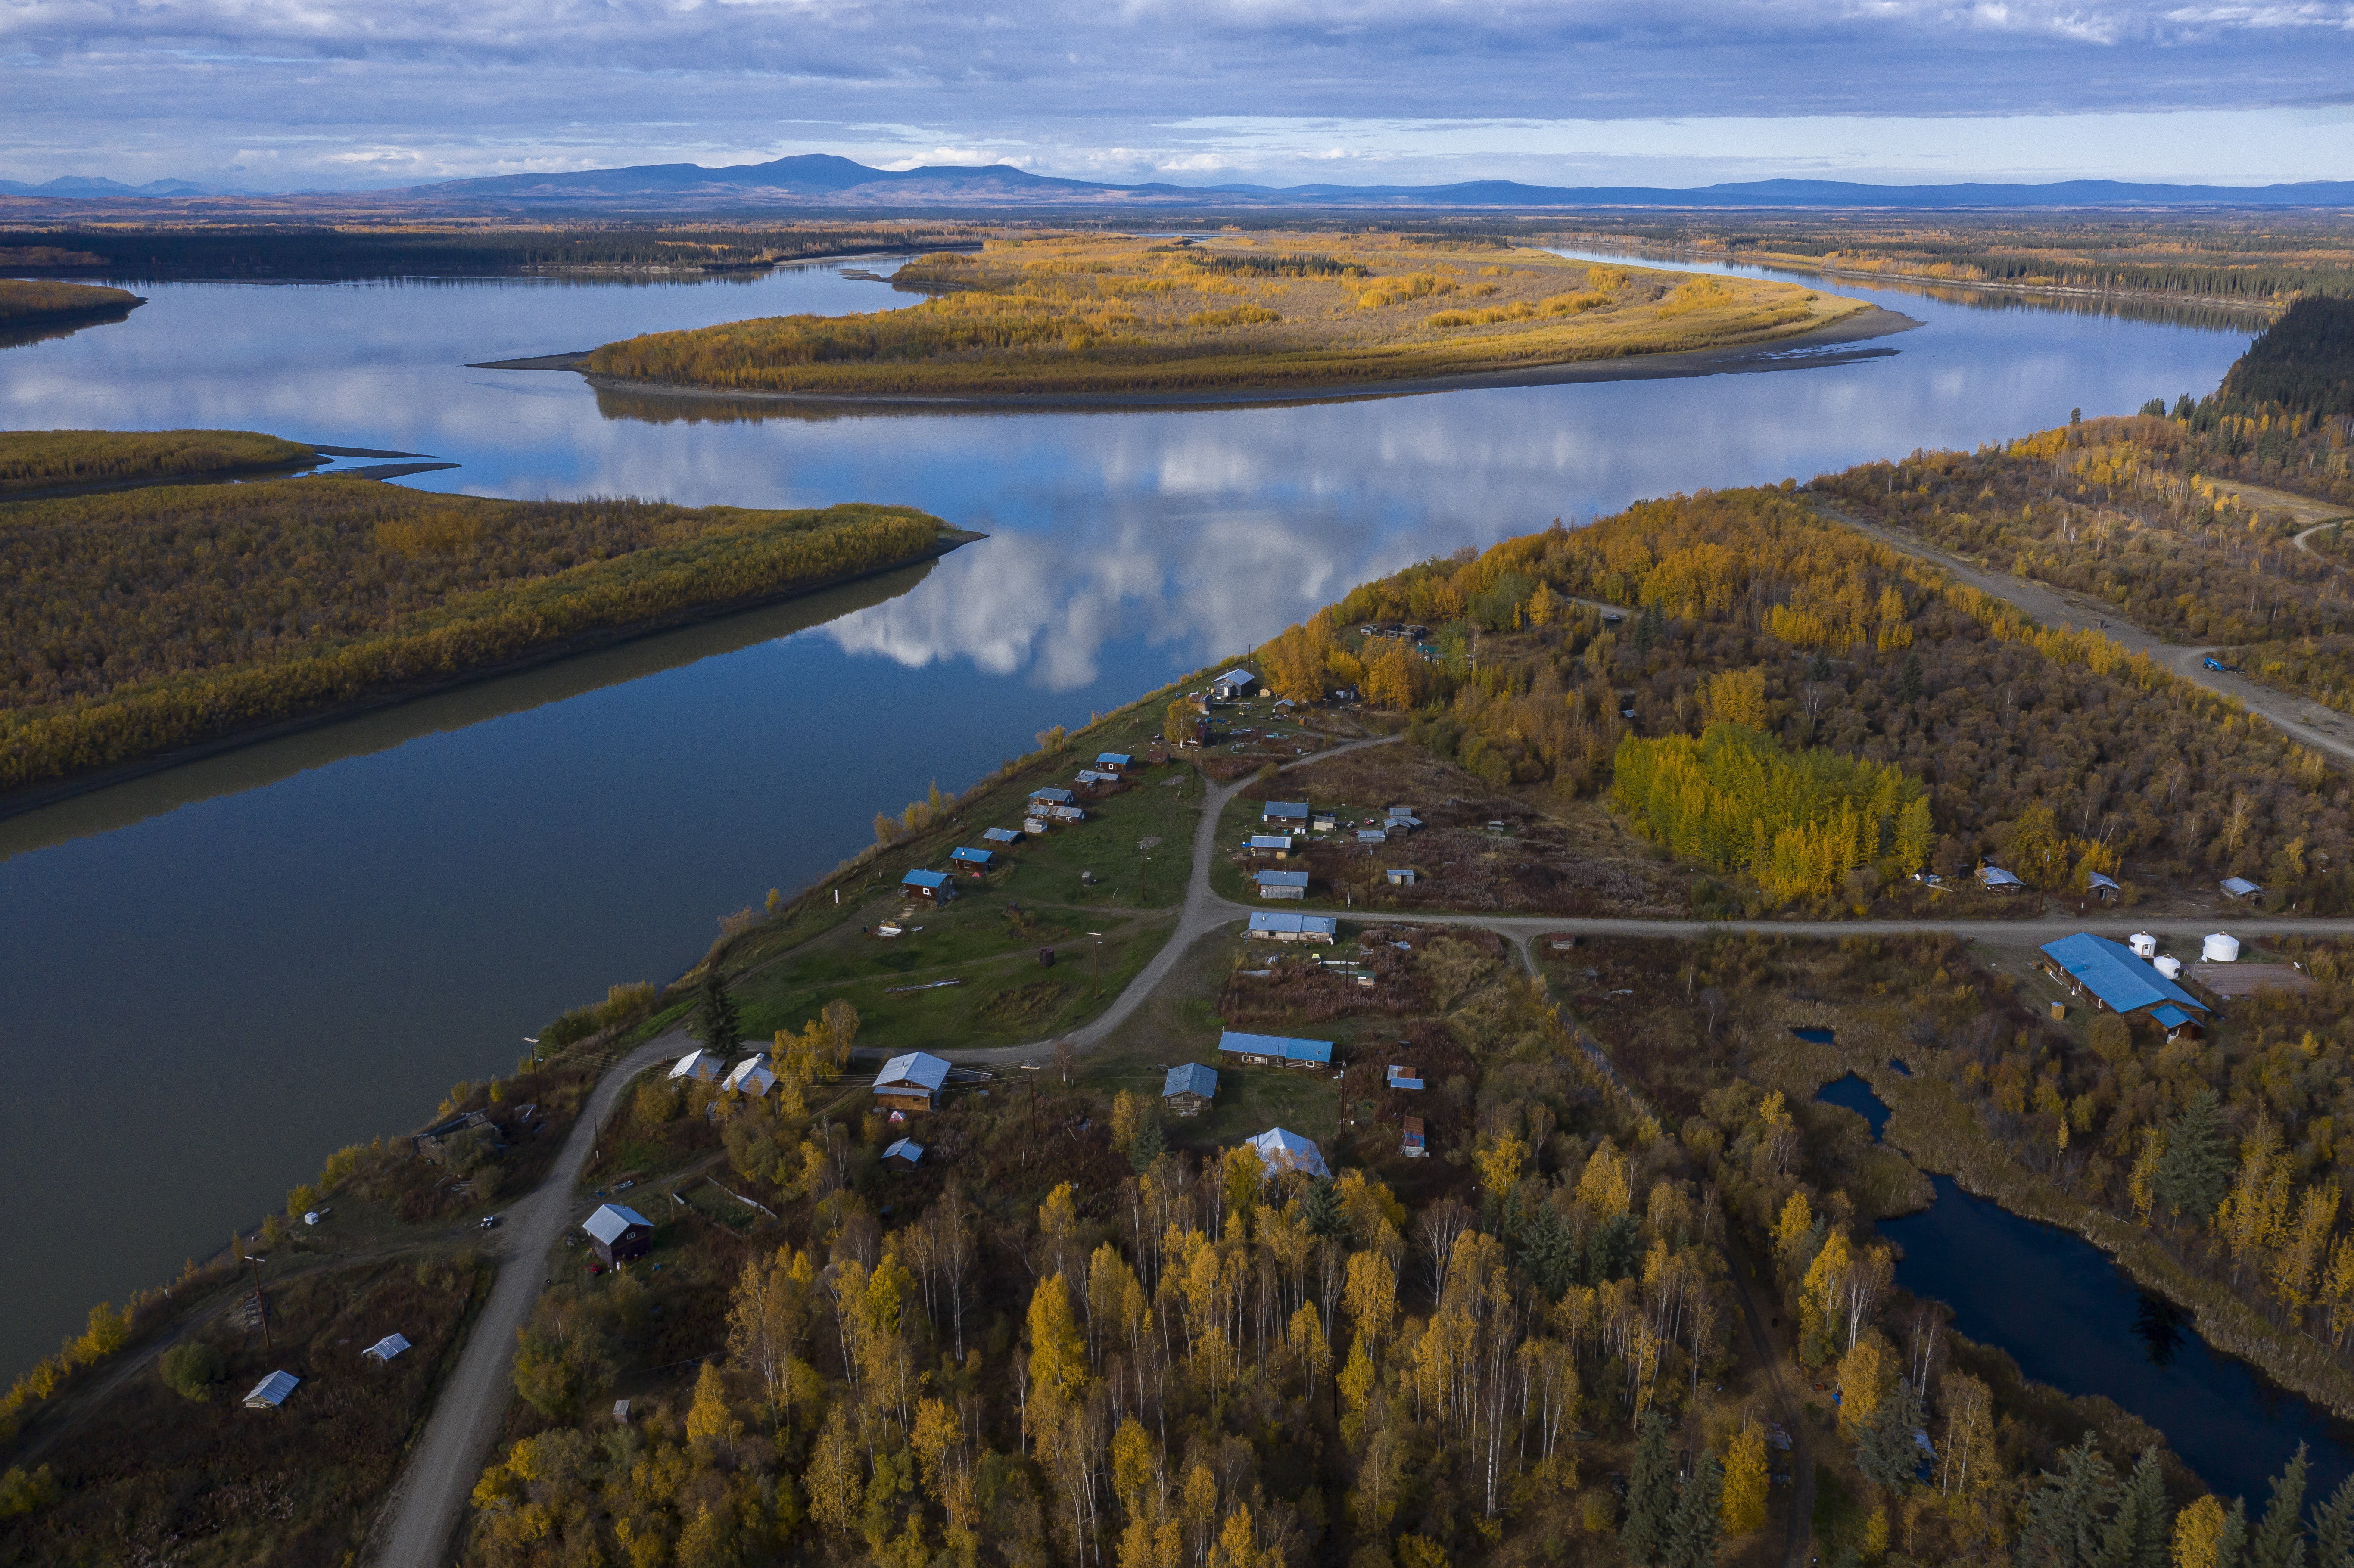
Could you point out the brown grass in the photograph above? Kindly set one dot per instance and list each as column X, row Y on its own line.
column 23, row 301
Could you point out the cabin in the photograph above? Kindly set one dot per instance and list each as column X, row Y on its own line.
column 1188, row 1090
column 1287, row 814
column 1286, row 926
column 2240, row 887
column 618, row 1234
column 1283, row 884
column 1270, row 1050
column 928, row 884
column 2116, row 978
column 911, row 1082
column 979, row 860
column 384, row 1350
column 1279, row 1151
column 1052, row 797
column 903, row 1155
column 1114, row 761
column 1410, row 1140
column 2104, row 888
column 751, row 1077
column 1234, row 686
column 1994, row 879
column 1000, row 836
column 271, row 1392
column 699, row 1068
column 1277, row 844
column 1400, row 876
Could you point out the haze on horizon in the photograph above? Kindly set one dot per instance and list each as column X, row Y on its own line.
column 286, row 94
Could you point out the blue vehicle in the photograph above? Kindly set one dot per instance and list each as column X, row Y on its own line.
column 2216, row 664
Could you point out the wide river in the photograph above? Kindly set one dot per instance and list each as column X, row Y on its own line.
column 212, row 978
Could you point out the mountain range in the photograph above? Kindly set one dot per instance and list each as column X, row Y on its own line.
column 822, row 181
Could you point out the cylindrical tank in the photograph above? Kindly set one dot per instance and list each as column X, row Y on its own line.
column 2144, row 944
column 2170, row 967
column 2220, row 948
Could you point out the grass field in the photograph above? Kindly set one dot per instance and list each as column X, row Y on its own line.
column 25, row 302
column 31, row 459
column 1109, row 314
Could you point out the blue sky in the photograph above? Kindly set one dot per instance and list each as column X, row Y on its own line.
column 282, row 95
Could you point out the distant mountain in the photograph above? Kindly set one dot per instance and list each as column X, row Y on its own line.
column 86, row 186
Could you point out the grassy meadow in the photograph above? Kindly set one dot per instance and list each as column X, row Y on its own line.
column 36, row 459
column 24, row 300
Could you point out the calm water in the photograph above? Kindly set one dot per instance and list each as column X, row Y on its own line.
column 2072, row 1319
column 210, row 979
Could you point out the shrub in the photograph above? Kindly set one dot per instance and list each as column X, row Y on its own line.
column 191, row 1368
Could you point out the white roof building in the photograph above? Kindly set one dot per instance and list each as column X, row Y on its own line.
column 384, row 1350
column 611, row 1219
column 752, row 1077
column 1281, row 1151
column 698, row 1066
column 916, row 1072
column 271, row 1392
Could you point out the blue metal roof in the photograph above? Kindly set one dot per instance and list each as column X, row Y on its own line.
column 2170, row 1015
column 1275, row 1045
column 1273, row 921
column 1284, row 811
column 1058, row 797
column 1270, row 841
column 2110, row 971
column 977, row 857
column 1113, row 758
column 1001, row 835
column 1283, row 879
column 925, row 879
column 1192, row 1078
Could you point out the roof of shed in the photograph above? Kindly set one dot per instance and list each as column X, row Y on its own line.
column 1192, row 1078
column 1283, row 879
column 925, row 879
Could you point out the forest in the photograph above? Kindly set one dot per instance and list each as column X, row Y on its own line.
column 1078, row 314
column 2303, row 362
column 146, row 620
column 32, row 460
column 25, row 302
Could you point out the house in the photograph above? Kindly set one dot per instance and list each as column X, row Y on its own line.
column 1402, row 1078
column 931, row 885
column 911, row 1082
column 1276, row 844
column 384, row 1350
column 618, row 1234
column 1286, row 814
column 271, row 1392
column 979, row 859
column 752, row 1077
column 1286, row 926
column 1410, row 1141
column 2117, row 980
column 1279, row 1151
column 1994, row 879
column 2240, row 887
column 699, row 1067
column 1266, row 1050
column 1234, row 685
column 1400, row 876
column 1189, row 1089
column 1052, row 797
column 903, row 1155
column 1001, row 835
column 1283, row 884
column 1114, row 761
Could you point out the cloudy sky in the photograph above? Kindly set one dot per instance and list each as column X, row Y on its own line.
column 283, row 94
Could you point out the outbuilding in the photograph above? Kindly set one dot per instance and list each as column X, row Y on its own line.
column 1402, row 1078
column 1276, row 844
column 1410, row 1141
column 1283, row 926
column 1283, row 884
column 699, row 1067
column 1400, row 876
column 979, row 859
column 911, row 1082
column 1000, row 836
column 1050, row 797
column 1270, row 1050
column 903, row 1155
column 1114, row 761
column 618, row 1233
column 752, row 1077
column 1994, row 879
column 2102, row 886
column 1280, row 1150
column 1370, row 836
column 2242, row 888
column 931, row 885
column 1234, row 685
column 384, row 1350
column 1188, row 1090
column 271, row 1392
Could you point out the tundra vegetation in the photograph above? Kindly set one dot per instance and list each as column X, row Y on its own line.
column 33, row 460
column 152, row 619
column 1080, row 313
column 25, row 302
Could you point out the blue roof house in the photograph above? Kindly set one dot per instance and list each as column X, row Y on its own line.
column 931, row 885
column 1265, row 1050
column 2118, row 981
column 1188, row 1088
column 1283, row 884
column 1285, row 926
column 975, row 857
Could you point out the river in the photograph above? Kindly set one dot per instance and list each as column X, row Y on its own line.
column 214, row 977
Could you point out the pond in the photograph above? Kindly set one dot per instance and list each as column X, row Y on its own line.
column 303, row 945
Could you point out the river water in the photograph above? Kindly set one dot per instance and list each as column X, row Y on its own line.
column 212, row 978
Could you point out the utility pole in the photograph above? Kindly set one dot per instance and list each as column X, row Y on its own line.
column 1099, row 966
column 1030, row 1153
column 261, row 1302
column 532, row 1040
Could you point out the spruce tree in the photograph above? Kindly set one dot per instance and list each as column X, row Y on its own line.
column 1908, row 679
column 715, row 1013
column 1549, row 1250
column 1650, row 1496
column 1884, row 1449
column 2196, row 1170
column 2333, row 1529
column 2136, row 1537
column 2280, row 1539
column 1699, row 1518
column 2232, row 1542
column 1147, row 1145
column 1322, row 1211
column 2066, row 1512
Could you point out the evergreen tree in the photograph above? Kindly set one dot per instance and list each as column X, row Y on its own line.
column 1884, row 1449
column 2136, row 1537
column 2066, row 1511
column 1650, row 1496
column 2196, row 1170
column 1908, row 679
column 1322, row 1211
column 2280, row 1539
column 1692, row 1533
column 1147, row 1145
column 1549, row 1250
column 2333, row 1529
column 1612, row 1252
column 715, row 1013
column 2231, row 1544
column 1819, row 668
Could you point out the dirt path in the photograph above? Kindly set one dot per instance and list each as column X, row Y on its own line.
column 1766, row 1347
column 422, row 1511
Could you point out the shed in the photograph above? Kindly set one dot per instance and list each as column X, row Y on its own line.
column 1277, row 844
column 931, row 885
column 1410, row 1141
column 271, row 1392
column 1052, row 797
column 699, row 1067
column 1114, row 761
column 384, row 1350
column 2240, row 887
column 618, row 1233
column 1283, row 884
column 1068, row 813
column 1234, row 685
column 752, row 1077
column 1403, row 822
column 982, row 858
column 1285, row 926
column 1266, row 1050
column 1400, row 876
column 1034, row 826
column 1096, row 776
column 2102, row 886
column 1279, row 1151
column 1001, row 836
column 1325, row 821
column 1189, row 1089
column 1994, row 879
column 1372, row 836
column 1288, row 813
column 1402, row 1078
column 2115, row 978
column 903, row 1155
column 911, row 1082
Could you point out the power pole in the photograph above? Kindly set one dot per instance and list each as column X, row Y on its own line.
column 1098, row 966
column 261, row 1302
column 1031, row 1154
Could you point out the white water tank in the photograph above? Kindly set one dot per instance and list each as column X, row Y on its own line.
column 2170, row 966
column 2143, row 944
column 2220, row 948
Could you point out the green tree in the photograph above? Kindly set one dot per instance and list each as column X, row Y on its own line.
column 2136, row 1536
column 2333, row 1529
column 1650, row 1496
column 1698, row 1522
column 1884, row 1449
column 715, row 1022
column 2196, row 1170
column 191, row 1368
column 2280, row 1538
column 1149, row 1143
column 1908, row 679
column 2065, row 1512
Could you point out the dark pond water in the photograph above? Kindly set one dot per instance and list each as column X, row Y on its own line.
column 269, row 956
column 2071, row 1318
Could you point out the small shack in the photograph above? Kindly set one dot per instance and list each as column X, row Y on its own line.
column 1280, row 1150
column 903, row 1155
column 1283, row 884
column 1000, row 836
column 1400, row 876
column 384, row 1350
column 752, row 1077
column 699, row 1068
column 911, row 1082
column 1114, row 761
column 618, row 1233
column 1068, row 813
column 1270, row 1050
column 2240, row 887
column 1410, row 1142
column 933, row 885
column 1188, row 1090
column 2103, row 887
column 1994, row 879
column 1234, row 685
column 271, row 1392
column 1285, row 926
column 979, row 859
column 1402, row 1078
column 1373, row 836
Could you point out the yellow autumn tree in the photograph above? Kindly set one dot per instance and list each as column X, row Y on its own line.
column 1743, row 1508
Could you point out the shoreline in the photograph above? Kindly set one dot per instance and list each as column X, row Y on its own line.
column 19, row 802
column 1762, row 354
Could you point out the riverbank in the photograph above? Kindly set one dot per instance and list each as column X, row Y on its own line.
column 31, row 303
